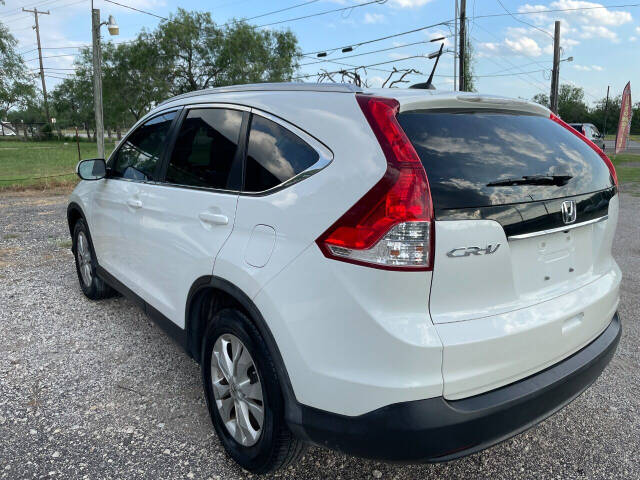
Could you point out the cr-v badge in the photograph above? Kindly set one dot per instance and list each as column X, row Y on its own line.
column 467, row 251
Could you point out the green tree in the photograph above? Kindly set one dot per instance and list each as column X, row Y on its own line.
column 135, row 79
column 72, row 102
column 571, row 104
column 197, row 54
column 16, row 85
column 542, row 99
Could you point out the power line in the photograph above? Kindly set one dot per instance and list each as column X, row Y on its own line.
column 317, row 14
column 282, row 9
column 506, row 60
column 379, row 39
column 326, row 12
column 557, row 10
column 47, row 2
column 18, row 11
column 369, row 52
column 52, row 56
column 138, row 10
column 59, row 69
column 522, row 21
column 532, row 83
column 517, row 67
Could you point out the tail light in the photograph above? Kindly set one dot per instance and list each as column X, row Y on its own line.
column 391, row 226
column 603, row 156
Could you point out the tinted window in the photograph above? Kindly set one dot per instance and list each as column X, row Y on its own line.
column 463, row 152
column 139, row 155
column 274, row 155
column 205, row 150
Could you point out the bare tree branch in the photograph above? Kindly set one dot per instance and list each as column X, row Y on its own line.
column 403, row 73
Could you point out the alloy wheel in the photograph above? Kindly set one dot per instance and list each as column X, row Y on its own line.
column 83, row 254
column 237, row 389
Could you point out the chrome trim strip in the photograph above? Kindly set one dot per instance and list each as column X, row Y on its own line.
column 559, row 229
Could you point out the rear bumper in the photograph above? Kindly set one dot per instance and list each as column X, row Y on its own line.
column 436, row 429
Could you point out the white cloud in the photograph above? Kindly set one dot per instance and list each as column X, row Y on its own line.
column 588, row 68
column 374, row 18
column 593, row 22
column 598, row 31
column 524, row 45
column 638, row 29
column 408, row 3
column 596, row 16
column 633, row 39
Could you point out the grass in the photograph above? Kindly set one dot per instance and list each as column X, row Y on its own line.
column 44, row 165
column 25, row 164
column 627, row 167
column 612, row 136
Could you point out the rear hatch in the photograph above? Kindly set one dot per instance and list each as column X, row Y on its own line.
column 512, row 266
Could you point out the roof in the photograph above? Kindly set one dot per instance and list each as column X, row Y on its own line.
column 271, row 87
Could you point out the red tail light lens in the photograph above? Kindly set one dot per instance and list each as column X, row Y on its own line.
column 607, row 161
column 390, row 227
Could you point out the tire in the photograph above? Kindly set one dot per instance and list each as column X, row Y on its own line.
column 92, row 286
column 274, row 447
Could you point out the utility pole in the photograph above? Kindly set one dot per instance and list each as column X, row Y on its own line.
column 463, row 44
column 97, row 79
column 455, row 47
column 44, row 85
column 606, row 111
column 555, row 75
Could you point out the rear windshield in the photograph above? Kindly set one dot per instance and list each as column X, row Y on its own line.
column 464, row 152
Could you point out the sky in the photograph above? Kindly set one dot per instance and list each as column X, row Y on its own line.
column 513, row 53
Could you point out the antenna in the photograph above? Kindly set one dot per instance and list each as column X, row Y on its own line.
column 428, row 85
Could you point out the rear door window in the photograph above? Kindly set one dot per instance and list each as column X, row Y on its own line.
column 205, row 153
column 138, row 157
column 465, row 152
column 274, row 155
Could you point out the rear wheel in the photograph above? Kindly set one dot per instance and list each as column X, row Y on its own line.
column 92, row 286
column 243, row 395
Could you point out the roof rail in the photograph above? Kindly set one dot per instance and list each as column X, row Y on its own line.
column 268, row 87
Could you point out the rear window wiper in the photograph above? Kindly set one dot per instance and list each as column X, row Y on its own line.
column 557, row 180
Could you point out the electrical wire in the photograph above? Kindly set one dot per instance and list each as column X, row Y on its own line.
column 379, row 39
column 317, row 14
column 369, row 52
column 522, row 21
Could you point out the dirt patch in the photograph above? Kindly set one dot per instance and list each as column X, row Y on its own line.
column 53, row 187
column 7, row 256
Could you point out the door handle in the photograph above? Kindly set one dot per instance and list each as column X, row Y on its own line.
column 214, row 218
column 133, row 203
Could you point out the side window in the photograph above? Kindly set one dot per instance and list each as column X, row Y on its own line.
column 139, row 155
column 274, row 155
column 205, row 150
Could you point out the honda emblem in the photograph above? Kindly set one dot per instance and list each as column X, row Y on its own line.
column 569, row 211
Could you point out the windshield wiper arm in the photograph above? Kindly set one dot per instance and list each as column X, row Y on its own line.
column 557, row 180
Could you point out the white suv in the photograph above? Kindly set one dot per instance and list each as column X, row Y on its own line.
column 402, row 275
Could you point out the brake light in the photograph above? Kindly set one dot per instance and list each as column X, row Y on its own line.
column 391, row 226
column 607, row 161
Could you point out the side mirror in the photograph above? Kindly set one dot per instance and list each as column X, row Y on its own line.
column 92, row 169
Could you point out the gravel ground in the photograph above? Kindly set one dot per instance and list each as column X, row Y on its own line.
column 95, row 390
